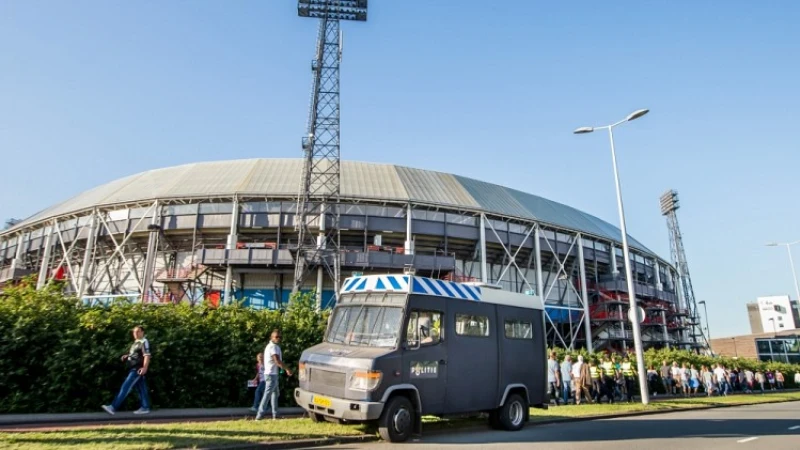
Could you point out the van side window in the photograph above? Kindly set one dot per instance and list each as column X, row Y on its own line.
column 467, row 325
column 517, row 329
column 424, row 328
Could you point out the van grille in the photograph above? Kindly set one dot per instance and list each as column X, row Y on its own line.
column 327, row 383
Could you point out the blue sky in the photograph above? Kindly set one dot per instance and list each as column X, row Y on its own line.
column 91, row 91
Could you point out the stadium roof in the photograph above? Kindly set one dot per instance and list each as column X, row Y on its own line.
column 281, row 177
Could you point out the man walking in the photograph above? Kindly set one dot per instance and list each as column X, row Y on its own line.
column 553, row 374
column 272, row 361
column 138, row 361
column 566, row 378
column 666, row 378
column 628, row 372
column 582, row 378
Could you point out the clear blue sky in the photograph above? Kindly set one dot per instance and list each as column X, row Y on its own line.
column 91, row 91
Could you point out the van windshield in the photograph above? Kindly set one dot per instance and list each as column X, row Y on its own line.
column 366, row 326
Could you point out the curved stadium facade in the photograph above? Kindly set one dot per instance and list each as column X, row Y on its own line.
column 173, row 234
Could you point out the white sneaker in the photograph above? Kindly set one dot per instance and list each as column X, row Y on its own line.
column 142, row 411
column 109, row 409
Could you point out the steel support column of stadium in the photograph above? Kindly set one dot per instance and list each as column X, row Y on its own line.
column 573, row 331
column 482, row 243
column 232, row 239
column 17, row 261
column 539, row 279
column 66, row 256
column 45, row 264
column 86, row 267
column 512, row 258
column 666, row 330
column 585, row 297
column 612, row 255
column 119, row 249
column 152, row 252
column 657, row 268
column 409, row 248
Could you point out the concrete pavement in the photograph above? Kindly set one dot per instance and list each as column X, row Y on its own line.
column 768, row 426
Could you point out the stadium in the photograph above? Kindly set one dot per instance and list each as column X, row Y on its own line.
column 173, row 234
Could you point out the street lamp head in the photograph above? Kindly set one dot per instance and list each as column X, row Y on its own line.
column 701, row 302
column 636, row 114
column 583, row 130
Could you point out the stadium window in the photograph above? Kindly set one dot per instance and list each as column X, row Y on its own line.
column 120, row 214
column 517, row 329
column 216, row 208
column 181, row 210
column 253, row 207
column 469, row 325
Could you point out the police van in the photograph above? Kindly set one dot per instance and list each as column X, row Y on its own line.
column 398, row 347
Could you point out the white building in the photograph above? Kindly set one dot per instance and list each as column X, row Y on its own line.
column 776, row 313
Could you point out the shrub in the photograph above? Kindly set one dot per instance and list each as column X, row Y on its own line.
column 56, row 356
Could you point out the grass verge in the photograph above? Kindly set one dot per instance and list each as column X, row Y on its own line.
column 224, row 433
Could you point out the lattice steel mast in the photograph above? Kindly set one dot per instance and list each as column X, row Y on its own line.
column 318, row 198
column 669, row 206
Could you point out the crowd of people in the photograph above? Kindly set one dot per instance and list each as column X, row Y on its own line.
column 616, row 379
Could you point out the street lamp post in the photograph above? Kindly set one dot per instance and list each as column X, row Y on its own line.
column 788, row 246
column 637, row 335
column 774, row 330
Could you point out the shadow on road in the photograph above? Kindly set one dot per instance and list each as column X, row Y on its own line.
column 622, row 430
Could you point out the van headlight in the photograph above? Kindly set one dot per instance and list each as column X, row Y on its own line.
column 365, row 380
column 302, row 372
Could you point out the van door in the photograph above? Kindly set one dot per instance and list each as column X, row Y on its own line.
column 424, row 354
column 472, row 362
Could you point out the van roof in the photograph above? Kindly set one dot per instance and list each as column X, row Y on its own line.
column 441, row 288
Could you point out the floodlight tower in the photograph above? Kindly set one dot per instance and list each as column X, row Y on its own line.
column 669, row 206
column 317, row 216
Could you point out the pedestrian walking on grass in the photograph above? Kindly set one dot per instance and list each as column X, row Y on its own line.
column 259, row 381
column 272, row 361
column 779, row 379
column 583, row 381
column 553, row 377
column 566, row 378
column 760, row 379
column 137, row 362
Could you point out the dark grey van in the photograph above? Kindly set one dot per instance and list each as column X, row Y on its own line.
column 399, row 347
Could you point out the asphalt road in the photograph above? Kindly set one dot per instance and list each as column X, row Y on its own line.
column 771, row 426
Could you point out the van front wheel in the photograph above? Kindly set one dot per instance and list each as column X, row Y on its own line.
column 513, row 413
column 397, row 420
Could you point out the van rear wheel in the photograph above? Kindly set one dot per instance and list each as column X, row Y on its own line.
column 397, row 420
column 513, row 413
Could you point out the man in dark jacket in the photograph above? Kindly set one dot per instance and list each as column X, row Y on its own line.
column 137, row 361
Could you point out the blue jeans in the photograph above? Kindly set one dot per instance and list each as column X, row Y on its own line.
column 259, row 394
column 270, row 396
column 566, row 388
column 133, row 380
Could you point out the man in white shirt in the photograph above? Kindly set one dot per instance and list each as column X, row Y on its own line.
column 722, row 379
column 272, row 361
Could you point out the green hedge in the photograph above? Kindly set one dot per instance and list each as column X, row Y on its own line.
column 56, row 356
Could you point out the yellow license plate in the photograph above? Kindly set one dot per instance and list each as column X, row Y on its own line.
column 325, row 402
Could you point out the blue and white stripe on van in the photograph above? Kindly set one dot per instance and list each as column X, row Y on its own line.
column 411, row 285
column 428, row 286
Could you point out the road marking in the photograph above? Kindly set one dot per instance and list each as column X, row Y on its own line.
column 796, row 427
column 742, row 441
